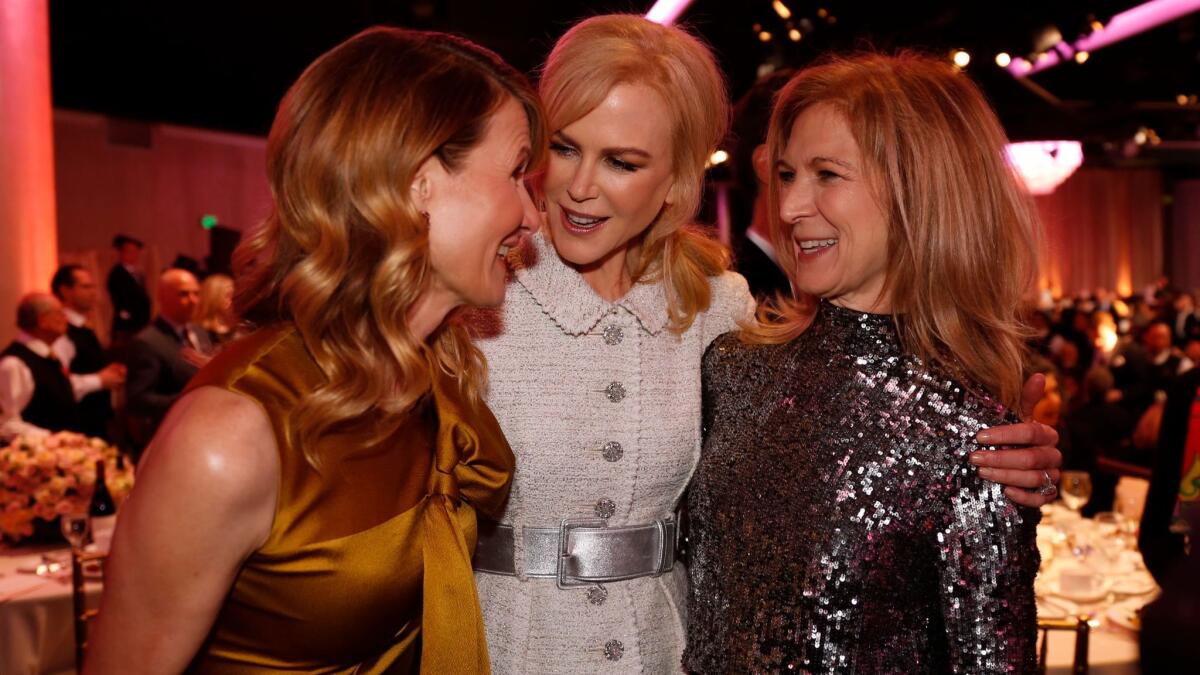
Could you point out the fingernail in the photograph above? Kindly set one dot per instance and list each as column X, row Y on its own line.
column 984, row 437
column 976, row 458
column 986, row 472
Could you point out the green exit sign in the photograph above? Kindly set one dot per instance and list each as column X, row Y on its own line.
column 208, row 221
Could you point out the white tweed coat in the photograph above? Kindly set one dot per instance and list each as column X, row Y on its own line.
column 553, row 360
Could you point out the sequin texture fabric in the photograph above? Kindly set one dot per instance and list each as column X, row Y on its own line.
column 836, row 523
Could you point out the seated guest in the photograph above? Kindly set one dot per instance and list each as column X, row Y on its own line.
column 1098, row 428
column 165, row 355
column 215, row 314
column 80, row 349
column 1187, row 320
column 37, row 395
column 127, row 290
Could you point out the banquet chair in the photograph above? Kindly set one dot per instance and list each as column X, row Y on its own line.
column 80, row 611
column 1078, row 625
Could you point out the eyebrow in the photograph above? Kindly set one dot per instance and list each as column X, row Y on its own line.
column 833, row 160
column 607, row 151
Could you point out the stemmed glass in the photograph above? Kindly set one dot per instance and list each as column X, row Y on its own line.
column 75, row 527
column 1076, row 489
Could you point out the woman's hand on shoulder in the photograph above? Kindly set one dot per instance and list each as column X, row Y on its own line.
column 204, row 501
column 1028, row 455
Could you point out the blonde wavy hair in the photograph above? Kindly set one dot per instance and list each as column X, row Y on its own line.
column 344, row 254
column 599, row 53
column 962, row 235
column 211, row 313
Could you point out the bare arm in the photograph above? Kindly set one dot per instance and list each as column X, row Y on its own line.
column 204, row 501
column 1029, row 450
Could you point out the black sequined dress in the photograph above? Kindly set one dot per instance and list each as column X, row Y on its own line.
column 836, row 523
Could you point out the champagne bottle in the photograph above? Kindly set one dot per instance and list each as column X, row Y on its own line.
column 103, row 511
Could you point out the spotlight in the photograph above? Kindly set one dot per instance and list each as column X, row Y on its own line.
column 794, row 35
column 1097, row 26
column 1081, row 57
column 764, row 36
column 782, row 10
column 1141, row 136
column 718, row 157
column 961, row 58
column 1003, row 59
column 1181, row 99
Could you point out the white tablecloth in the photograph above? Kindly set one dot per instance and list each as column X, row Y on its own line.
column 1112, row 648
column 36, row 631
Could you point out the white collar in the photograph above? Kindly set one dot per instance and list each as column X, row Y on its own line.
column 74, row 318
column 566, row 297
column 763, row 243
column 35, row 345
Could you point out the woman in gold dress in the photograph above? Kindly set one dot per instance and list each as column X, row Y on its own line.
column 310, row 504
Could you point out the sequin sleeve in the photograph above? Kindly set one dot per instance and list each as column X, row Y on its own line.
column 986, row 567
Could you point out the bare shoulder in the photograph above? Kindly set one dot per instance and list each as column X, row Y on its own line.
column 219, row 439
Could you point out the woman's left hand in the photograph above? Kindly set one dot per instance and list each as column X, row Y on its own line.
column 1029, row 455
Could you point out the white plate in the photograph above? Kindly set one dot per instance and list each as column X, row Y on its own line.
column 1125, row 615
column 1095, row 595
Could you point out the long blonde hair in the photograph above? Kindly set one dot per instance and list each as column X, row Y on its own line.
column 599, row 53
column 212, row 313
column 962, row 235
column 344, row 254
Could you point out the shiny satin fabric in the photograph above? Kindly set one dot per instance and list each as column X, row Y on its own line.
column 367, row 568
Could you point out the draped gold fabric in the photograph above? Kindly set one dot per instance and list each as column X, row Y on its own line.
column 367, row 568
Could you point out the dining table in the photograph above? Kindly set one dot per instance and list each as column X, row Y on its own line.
column 37, row 632
column 1091, row 568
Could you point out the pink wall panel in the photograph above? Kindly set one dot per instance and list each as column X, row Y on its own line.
column 156, row 193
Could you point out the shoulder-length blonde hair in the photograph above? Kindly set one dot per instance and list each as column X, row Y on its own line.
column 962, row 235
column 212, row 313
column 344, row 254
column 599, row 53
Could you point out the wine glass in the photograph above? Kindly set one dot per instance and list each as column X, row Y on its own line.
column 1076, row 489
column 75, row 528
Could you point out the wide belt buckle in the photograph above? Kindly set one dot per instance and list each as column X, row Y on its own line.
column 564, row 530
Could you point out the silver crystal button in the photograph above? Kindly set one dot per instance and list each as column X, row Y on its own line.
column 614, row 650
column 596, row 595
column 615, row 392
column 613, row 335
column 605, row 508
column 612, row 451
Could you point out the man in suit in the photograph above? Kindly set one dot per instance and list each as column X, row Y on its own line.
column 127, row 290
column 165, row 355
column 37, row 394
column 1186, row 322
column 80, row 349
column 753, row 253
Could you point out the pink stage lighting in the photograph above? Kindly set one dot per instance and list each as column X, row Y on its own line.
column 1126, row 24
column 1044, row 165
column 666, row 11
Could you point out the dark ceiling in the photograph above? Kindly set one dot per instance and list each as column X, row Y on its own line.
column 224, row 65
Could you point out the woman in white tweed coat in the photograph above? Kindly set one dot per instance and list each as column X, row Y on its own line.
column 594, row 359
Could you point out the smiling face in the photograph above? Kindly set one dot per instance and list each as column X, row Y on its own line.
column 828, row 205
column 609, row 176
column 477, row 212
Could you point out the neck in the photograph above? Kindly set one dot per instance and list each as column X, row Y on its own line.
column 609, row 278
column 428, row 312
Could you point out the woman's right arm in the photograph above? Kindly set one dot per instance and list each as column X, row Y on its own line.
column 204, row 501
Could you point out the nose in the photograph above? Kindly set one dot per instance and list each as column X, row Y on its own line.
column 795, row 202
column 582, row 186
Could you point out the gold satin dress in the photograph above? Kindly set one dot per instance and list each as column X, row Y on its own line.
column 367, row 568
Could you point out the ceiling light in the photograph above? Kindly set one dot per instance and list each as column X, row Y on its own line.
column 1003, row 59
column 961, row 58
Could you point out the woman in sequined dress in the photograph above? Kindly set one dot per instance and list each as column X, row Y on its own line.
column 594, row 359
column 838, row 525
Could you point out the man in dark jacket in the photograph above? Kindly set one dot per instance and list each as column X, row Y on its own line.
column 164, row 356
column 127, row 290
column 80, row 349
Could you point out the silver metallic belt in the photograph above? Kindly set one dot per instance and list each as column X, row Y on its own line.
column 580, row 552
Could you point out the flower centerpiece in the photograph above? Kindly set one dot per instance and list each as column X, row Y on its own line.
column 45, row 477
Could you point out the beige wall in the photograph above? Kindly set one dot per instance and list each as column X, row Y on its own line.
column 156, row 193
